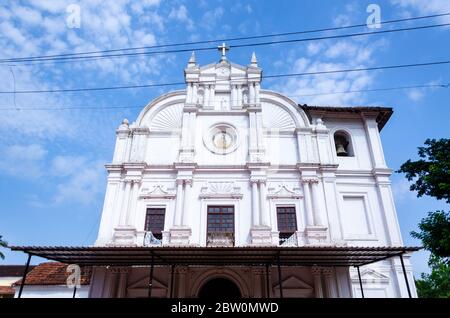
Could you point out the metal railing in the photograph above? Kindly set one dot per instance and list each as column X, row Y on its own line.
column 220, row 239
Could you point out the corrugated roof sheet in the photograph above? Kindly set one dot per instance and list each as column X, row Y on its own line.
column 210, row 256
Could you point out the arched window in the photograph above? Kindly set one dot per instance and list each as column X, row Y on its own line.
column 343, row 144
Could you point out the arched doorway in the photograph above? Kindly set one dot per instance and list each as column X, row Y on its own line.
column 219, row 288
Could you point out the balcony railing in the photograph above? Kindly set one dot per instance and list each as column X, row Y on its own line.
column 151, row 240
column 289, row 240
column 220, row 239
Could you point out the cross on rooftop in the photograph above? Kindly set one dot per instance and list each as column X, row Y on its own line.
column 223, row 48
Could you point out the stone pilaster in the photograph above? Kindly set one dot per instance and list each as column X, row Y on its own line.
column 317, row 275
column 181, row 273
column 330, row 282
column 121, row 274
column 316, row 232
column 181, row 232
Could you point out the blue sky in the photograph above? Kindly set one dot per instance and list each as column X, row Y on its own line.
column 52, row 179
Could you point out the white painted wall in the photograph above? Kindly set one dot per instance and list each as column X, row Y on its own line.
column 52, row 291
column 165, row 148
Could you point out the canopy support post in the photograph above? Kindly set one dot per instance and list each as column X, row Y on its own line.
column 24, row 276
column 360, row 282
column 267, row 282
column 150, row 280
column 279, row 275
column 171, row 280
column 406, row 276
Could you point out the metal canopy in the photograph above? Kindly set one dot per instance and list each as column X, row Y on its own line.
column 216, row 256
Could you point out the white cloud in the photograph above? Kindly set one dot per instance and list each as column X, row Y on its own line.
column 313, row 48
column 329, row 56
column 27, row 15
column 415, row 94
column 84, row 183
column 24, row 161
column 239, row 8
column 11, row 32
column 49, row 5
column 181, row 14
column 62, row 166
column 424, row 7
column 82, row 180
column 298, row 87
column 401, row 191
column 211, row 18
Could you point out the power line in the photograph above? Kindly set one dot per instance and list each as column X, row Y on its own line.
column 64, row 90
column 377, row 90
column 86, row 89
column 341, row 36
column 296, row 95
column 81, row 58
column 225, row 39
column 359, row 69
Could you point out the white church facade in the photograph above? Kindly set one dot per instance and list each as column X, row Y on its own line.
column 225, row 163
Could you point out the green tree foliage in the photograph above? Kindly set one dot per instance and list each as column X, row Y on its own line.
column 435, row 233
column 431, row 176
column 437, row 283
column 2, row 244
column 432, row 171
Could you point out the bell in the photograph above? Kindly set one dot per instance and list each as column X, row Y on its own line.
column 340, row 150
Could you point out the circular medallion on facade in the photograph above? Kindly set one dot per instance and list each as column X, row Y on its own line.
column 224, row 71
column 221, row 139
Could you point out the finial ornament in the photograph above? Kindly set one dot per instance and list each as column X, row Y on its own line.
column 223, row 49
column 192, row 60
column 254, row 61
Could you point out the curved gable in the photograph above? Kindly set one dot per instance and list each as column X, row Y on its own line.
column 280, row 112
column 163, row 113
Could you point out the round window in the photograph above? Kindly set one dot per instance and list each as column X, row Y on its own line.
column 221, row 139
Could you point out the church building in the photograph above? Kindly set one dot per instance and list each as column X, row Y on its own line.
column 226, row 165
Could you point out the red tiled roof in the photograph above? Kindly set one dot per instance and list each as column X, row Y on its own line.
column 383, row 113
column 13, row 270
column 6, row 290
column 53, row 273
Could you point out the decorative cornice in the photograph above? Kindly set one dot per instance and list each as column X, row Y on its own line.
column 120, row 270
column 257, row 165
column 113, row 167
column 254, row 108
column 308, row 166
column 329, row 167
column 310, row 180
column 134, row 165
column 316, row 270
column 283, row 192
column 220, row 189
column 158, row 192
column 140, row 131
column 328, row 271
column 185, row 166
column 190, row 108
column 384, row 172
column 181, row 269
